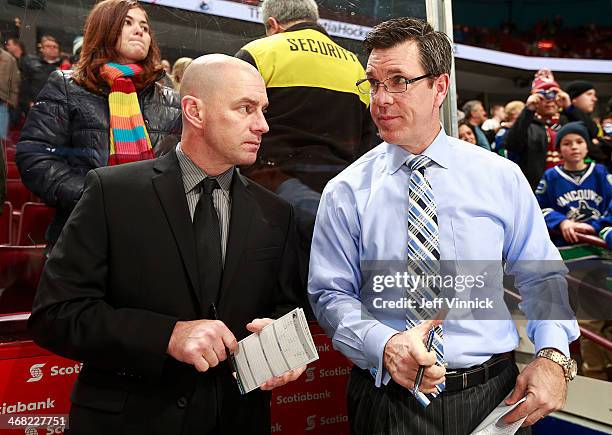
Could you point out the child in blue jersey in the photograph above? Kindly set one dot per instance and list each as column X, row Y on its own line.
column 606, row 226
column 575, row 195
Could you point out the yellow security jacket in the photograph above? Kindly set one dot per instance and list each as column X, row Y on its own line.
column 319, row 122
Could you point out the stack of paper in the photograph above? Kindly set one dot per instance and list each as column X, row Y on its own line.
column 283, row 345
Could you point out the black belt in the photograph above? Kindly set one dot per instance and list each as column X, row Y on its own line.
column 460, row 379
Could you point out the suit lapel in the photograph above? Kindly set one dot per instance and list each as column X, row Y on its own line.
column 168, row 184
column 244, row 211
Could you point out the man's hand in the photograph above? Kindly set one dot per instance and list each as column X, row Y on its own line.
column 277, row 381
column 533, row 100
column 201, row 343
column 562, row 99
column 405, row 352
column 569, row 229
column 543, row 382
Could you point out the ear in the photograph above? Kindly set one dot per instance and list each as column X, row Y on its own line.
column 273, row 27
column 193, row 111
column 441, row 85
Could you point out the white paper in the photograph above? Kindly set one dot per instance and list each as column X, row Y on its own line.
column 493, row 424
column 283, row 345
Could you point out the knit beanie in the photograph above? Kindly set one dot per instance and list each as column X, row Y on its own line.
column 576, row 127
column 578, row 87
column 543, row 80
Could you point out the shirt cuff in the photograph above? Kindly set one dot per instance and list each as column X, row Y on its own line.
column 374, row 347
column 551, row 335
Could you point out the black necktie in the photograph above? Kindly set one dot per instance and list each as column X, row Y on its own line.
column 208, row 243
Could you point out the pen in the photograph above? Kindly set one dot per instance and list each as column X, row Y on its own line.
column 419, row 376
column 230, row 356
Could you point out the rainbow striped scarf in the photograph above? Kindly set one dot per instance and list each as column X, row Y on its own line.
column 129, row 139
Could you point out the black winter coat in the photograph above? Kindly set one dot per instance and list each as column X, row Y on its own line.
column 66, row 134
column 34, row 74
column 528, row 139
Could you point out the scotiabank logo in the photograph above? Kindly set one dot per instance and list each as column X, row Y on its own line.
column 19, row 407
column 311, row 374
column 302, row 397
column 37, row 374
column 312, row 421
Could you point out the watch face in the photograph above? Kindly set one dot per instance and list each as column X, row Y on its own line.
column 573, row 369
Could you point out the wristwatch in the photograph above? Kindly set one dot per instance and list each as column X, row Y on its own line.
column 569, row 366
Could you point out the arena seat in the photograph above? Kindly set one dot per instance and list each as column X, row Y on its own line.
column 20, row 270
column 34, row 220
column 17, row 194
column 6, row 224
column 12, row 172
column 10, row 153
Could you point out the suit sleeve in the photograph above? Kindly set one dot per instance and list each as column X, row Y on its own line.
column 290, row 291
column 70, row 315
column 43, row 145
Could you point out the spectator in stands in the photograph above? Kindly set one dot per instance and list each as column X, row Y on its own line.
column 466, row 132
column 497, row 117
column 9, row 90
column 532, row 136
column 575, row 195
column 178, row 70
column 151, row 249
column 476, row 116
column 78, row 123
column 583, row 98
column 16, row 48
column 35, row 69
column 165, row 63
column 319, row 119
column 512, row 111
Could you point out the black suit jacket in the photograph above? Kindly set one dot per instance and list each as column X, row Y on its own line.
column 124, row 272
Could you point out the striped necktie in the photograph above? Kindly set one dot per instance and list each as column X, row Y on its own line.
column 423, row 257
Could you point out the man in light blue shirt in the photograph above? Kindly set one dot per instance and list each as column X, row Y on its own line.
column 486, row 215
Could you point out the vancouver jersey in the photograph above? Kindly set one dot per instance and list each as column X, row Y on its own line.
column 585, row 200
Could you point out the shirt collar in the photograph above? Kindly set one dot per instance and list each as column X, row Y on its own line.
column 437, row 151
column 193, row 175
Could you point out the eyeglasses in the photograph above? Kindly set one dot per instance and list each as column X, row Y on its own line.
column 393, row 85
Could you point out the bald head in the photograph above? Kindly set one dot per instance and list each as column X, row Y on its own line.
column 210, row 73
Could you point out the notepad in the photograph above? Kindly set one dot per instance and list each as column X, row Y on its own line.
column 493, row 424
column 283, row 345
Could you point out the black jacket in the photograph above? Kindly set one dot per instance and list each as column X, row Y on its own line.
column 123, row 273
column 66, row 134
column 34, row 74
column 527, row 138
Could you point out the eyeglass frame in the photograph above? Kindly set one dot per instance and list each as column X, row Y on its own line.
column 407, row 82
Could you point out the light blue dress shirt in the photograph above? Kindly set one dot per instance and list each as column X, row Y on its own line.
column 486, row 211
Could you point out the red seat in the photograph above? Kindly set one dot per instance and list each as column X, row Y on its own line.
column 10, row 153
column 35, row 218
column 17, row 193
column 20, row 269
column 12, row 173
column 6, row 224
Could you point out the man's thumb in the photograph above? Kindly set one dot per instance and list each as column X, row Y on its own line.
column 518, row 392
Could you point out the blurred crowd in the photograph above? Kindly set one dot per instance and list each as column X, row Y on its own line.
column 545, row 39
